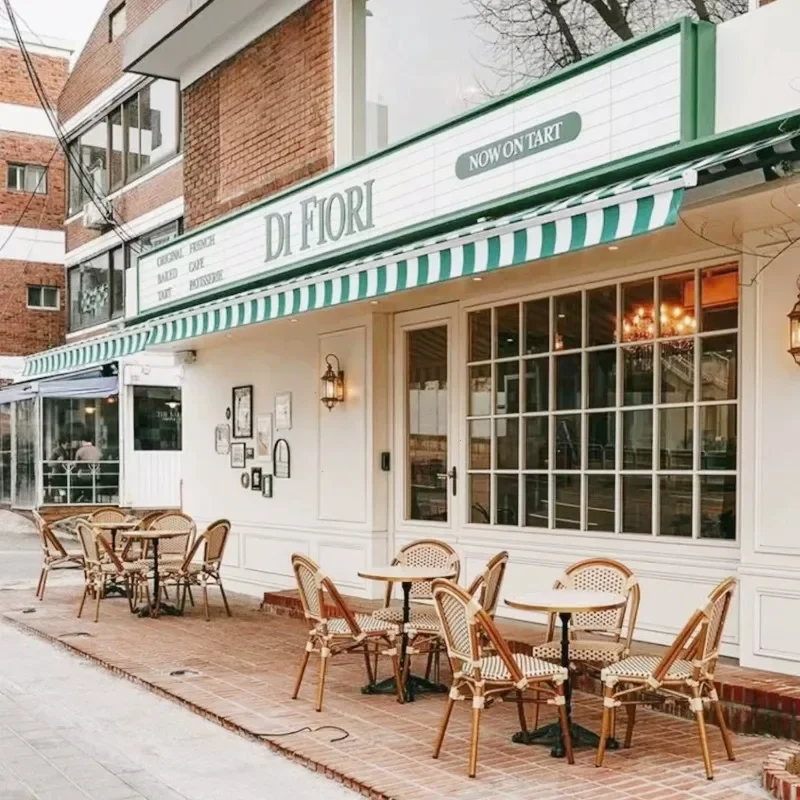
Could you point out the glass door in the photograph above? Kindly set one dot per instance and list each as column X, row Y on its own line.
column 424, row 344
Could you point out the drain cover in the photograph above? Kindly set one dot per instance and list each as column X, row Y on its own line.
column 184, row 673
column 73, row 634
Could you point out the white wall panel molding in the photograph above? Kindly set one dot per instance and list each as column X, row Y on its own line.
column 777, row 621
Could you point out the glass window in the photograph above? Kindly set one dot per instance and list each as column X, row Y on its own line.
column 117, row 21
column 630, row 434
column 5, row 453
column 116, row 166
column 117, row 282
column 43, row 297
column 156, row 418
column 29, row 178
column 89, row 293
column 130, row 115
column 26, row 423
column 80, row 450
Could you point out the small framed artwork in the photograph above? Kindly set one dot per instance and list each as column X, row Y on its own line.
column 264, row 440
column 249, row 453
column 281, row 459
column 242, row 412
column 255, row 479
column 245, row 480
column 238, row 460
column 228, row 412
column 266, row 485
column 283, row 411
column 222, row 439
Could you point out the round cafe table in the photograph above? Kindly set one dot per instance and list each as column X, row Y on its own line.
column 565, row 603
column 113, row 586
column 405, row 576
column 156, row 607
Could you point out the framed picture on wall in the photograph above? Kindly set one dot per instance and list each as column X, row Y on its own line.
column 281, row 460
column 242, row 412
column 222, row 439
column 255, row 479
column 264, row 440
column 266, row 485
column 283, row 411
column 238, row 459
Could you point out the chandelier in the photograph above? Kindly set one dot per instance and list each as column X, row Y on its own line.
column 674, row 320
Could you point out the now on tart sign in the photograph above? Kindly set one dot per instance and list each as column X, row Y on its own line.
column 620, row 105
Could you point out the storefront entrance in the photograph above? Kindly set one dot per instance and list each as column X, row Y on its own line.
column 427, row 478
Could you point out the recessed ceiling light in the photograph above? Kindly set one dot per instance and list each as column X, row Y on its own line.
column 477, row 278
column 293, row 319
column 373, row 302
column 613, row 247
column 562, row 316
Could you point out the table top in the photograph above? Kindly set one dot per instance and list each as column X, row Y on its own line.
column 403, row 574
column 566, row 601
column 121, row 525
column 164, row 534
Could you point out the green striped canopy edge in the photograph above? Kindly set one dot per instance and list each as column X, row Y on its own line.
column 81, row 355
column 561, row 228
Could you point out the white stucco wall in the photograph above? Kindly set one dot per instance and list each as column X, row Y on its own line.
column 758, row 71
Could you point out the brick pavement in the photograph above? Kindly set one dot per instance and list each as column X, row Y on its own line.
column 246, row 668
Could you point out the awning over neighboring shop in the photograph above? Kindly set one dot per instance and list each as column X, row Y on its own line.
column 87, row 353
column 72, row 387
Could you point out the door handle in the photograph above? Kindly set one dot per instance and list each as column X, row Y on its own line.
column 453, row 475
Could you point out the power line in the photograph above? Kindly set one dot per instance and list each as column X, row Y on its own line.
column 31, row 195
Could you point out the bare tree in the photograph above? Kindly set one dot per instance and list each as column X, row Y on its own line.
column 529, row 39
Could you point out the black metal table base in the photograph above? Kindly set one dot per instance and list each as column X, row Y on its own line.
column 550, row 736
column 414, row 685
column 115, row 589
column 164, row 609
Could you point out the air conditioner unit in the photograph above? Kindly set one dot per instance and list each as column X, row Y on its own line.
column 95, row 217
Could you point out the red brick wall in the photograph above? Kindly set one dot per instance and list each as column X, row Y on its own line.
column 263, row 120
column 16, row 87
column 23, row 331
column 99, row 64
column 44, row 211
column 153, row 192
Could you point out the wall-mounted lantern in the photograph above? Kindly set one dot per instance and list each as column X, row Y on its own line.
column 332, row 383
column 794, row 328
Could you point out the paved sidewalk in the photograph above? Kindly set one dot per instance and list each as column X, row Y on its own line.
column 71, row 731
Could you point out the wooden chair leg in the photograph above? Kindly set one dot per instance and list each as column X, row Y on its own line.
column 701, row 730
column 523, row 724
column 368, row 663
column 98, row 597
column 83, row 600
column 323, row 669
column 205, row 602
column 566, row 733
column 224, row 598
column 537, row 700
column 303, row 665
column 477, row 704
column 398, row 678
column 437, row 745
column 44, row 583
column 631, row 714
column 723, row 729
column 191, row 597
column 608, row 694
column 429, row 664
column 39, row 585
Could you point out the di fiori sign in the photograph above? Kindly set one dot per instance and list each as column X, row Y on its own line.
column 619, row 108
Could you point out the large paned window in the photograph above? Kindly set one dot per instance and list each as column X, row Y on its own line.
column 97, row 290
column 156, row 418
column 80, row 439
column 5, row 453
column 133, row 137
column 26, row 428
column 608, row 410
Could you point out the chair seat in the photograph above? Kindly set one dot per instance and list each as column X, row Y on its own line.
column 493, row 668
column 368, row 623
column 395, row 614
column 581, row 650
column 127, row 566
column 639, row 668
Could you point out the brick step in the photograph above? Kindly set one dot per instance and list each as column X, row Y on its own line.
column 753, row 701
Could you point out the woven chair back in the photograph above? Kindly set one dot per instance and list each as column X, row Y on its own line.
column 215, row 536
column 174, row 521
column 486, row 587
column 89, row 543
column 312, row 584
column 51, row 546
column 148, row 519
column 109, row 514
column 425, row 553
column 719, row 603
column 604, row 575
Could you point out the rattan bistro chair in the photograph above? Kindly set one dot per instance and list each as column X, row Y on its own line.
column 341, row 634
column 102, row 563
column 206, row 572
column 54, row 555
column 684, row 672
column 486, row 586
column 484, row 677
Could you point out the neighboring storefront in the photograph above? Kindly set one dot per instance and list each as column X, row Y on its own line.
column 555, row 325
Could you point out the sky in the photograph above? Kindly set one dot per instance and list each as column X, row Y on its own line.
column 63, row 19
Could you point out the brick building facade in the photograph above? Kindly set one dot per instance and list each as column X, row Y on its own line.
column 32, row 297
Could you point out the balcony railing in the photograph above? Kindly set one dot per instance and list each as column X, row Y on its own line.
column 80, row 482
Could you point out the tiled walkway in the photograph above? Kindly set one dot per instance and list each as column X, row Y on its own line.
column 246, row 669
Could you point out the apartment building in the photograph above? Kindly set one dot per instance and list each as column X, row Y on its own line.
column 549, row 317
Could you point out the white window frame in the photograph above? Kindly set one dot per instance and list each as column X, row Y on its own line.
column 119, row 12
column 40, row 306
column 619, row 470
column 23, row 171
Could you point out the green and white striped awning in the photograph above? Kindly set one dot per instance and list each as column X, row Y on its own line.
column 85, row 354
column 566, row 226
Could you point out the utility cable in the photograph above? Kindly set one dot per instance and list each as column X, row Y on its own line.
column 308, row 729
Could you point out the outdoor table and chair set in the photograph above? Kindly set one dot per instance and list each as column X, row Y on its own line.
column 121, row 555
column 596, row 601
